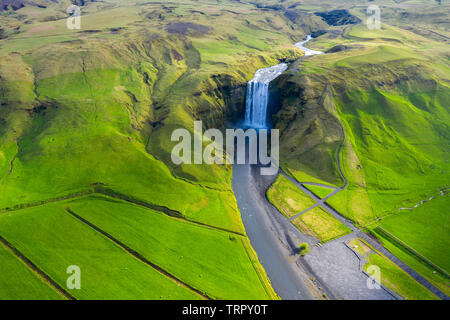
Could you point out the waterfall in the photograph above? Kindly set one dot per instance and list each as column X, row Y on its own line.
column 256, row 104
column 257, row 99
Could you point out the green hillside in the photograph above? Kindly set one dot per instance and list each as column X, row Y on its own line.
column 95, row 108
column 86, row 118
column 388, row 91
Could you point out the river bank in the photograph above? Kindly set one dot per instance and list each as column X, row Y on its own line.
column 328, row 271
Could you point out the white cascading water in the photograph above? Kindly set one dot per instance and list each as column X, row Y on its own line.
column 257, row 99
column 308, row 52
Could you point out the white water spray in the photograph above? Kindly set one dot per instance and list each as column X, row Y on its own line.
column 258, row 95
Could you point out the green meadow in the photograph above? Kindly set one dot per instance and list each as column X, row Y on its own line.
column 18, row 282
column 425, row 229
column 431, row 274
column 94, row 109
column 319, row 191
column 179, row 247
column 289, row 199
column 388, row 90
column 320, row 224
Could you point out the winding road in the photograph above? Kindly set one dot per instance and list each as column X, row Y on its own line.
column 333, row 266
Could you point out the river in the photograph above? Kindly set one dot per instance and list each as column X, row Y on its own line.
column 267, row 230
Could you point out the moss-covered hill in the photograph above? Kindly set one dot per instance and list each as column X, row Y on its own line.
column 136, row 77
column 92, row 110
column 388, row 93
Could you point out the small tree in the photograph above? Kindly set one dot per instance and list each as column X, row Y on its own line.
column 303, row 248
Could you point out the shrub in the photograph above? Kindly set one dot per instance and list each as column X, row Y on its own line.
column 303, row 248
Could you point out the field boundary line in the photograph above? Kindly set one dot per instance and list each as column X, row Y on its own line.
column 374, row 243
column 393, row 238
column 47, row 201
column 36, row 270
column 139, row 256
column 115, row 195
column 167, row 211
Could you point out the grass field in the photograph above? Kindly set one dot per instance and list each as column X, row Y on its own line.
column 436, row 278
column 17, row 282
column 289, row 199
column 179, row 247
column 396, row 123
column 54, row 240
column 320, row 224
column 319, row 191
column 425, row 229
column 397, row 280
column 97, row 106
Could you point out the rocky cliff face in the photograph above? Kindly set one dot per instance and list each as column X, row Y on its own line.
column 226, row 92
column 310, row 132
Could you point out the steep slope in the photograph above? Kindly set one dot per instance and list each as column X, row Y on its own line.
column 388, row 91
column 92, row 110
